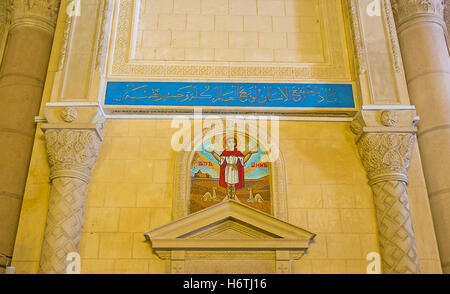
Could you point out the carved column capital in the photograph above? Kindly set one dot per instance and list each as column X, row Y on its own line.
column 73, row 136
column 71, row 153
column 407, row 10
column 386, row 157
column 39, row 13
column 385, row 139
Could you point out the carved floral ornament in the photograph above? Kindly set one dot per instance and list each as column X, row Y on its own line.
column 386, row 156
column 72, row 153
column 385, row 150
column 69, row 114
column 389, row 118
column 43, row 9
column 405, row 8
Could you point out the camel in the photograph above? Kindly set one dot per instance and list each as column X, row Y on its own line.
column 256, row 199
column 207, row 197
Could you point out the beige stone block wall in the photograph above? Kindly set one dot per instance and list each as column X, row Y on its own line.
column 328, row 195
column 184, row 29
column 130, row 193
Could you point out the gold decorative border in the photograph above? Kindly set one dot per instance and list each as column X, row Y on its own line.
column 336, row 67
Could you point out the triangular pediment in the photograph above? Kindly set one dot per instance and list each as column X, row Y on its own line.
column 229, row 224
column 229, row 229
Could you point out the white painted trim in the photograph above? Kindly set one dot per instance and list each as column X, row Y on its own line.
column 81, row 104
column 191, row 117
column 388, row 107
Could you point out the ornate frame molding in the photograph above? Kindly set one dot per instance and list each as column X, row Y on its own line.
column 336, row 66
column 182, row 177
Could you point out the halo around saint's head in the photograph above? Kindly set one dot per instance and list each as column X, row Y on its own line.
column 228, row 138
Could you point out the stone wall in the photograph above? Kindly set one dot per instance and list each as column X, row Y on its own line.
column 236, row 30
column 131, row 187
column 130, row 193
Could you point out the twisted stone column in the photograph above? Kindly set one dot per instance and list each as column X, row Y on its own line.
column 385, row 154
column 72, row 152
column 423, row 39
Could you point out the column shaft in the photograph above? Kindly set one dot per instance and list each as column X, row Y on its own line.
column 422, row 36
column 395, row 231
column 64, row 221
column 22, row 75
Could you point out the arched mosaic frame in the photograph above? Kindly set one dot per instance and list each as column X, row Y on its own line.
column 182, row 177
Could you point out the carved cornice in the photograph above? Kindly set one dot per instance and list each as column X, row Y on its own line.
column 405, row 10
column 40, row 13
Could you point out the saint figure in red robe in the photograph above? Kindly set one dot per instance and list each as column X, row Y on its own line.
column 232, row 163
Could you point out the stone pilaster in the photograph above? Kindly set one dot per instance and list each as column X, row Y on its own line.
column 72, row 146
column 423, row 39
column 385, row 140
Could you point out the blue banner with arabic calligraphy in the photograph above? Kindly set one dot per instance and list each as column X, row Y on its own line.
column 230, row 94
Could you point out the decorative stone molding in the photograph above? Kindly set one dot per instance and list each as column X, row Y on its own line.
column 385, row 140
column 69, row 114
column 335, row 67
column 40, row 13
column 68, row 29
column 389, row 118
column 104, row 35
column 388, row 16
column 73, row 139
column 359, row 48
